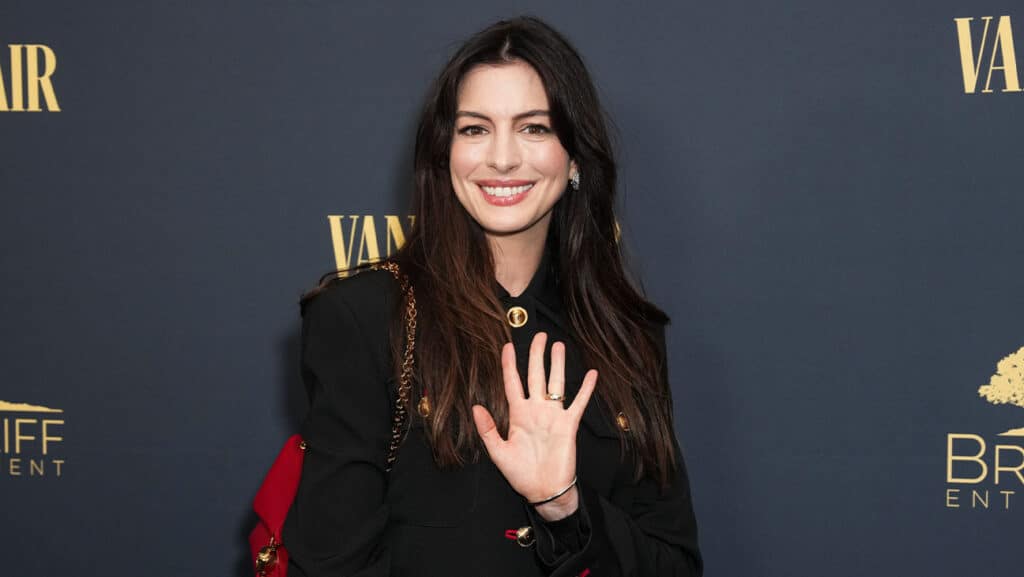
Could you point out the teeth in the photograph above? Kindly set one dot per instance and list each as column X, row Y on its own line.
column 506, row 190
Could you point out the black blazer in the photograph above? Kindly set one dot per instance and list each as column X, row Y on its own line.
column 349, row 518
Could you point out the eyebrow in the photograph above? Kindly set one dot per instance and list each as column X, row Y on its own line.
column 520, row 116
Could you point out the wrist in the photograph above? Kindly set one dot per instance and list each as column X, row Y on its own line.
column 561, row 507
column 561, row 492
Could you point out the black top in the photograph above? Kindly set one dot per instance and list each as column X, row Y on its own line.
column 349, row 518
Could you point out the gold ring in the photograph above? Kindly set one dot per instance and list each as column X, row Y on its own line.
column 554, row 397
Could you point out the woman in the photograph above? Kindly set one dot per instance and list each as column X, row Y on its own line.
column 521, row 463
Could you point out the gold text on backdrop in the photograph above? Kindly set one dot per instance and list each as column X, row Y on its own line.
column 25, row 80
column 28, row 434
column 364, row 227
column 995, row 44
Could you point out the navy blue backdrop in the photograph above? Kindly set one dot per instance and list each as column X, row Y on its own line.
column 825, row 197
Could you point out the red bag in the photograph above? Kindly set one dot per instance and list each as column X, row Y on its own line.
column 276, row 494
column 271, row 505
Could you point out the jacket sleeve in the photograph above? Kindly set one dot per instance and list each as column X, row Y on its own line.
column 336, row 523
column 645, row 532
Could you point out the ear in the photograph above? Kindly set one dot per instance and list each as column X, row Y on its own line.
column 573, row 168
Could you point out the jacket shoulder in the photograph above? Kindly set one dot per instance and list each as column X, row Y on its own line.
column 368, row 294
column 347, row 322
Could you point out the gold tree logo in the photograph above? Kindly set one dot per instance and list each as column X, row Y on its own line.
column 8, row 406
column 1007, row 386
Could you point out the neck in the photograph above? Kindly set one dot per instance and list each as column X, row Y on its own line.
column 516, row 257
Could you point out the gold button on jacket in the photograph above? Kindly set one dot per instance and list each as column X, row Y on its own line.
column 517, row 316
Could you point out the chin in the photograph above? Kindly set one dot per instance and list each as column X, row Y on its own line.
column 506, row 227
column 503, row 229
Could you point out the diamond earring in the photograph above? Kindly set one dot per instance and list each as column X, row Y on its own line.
column 575, row 180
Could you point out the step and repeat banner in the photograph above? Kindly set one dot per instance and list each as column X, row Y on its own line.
column 826, row 197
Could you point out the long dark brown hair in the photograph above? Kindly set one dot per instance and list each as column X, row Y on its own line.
column 461, row 322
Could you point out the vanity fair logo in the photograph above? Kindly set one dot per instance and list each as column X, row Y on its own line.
column 31, row 440
column 358, row 238
column 27, row 76
column 981, row 44
column 989, row 473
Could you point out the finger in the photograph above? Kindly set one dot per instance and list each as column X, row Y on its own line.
column 579, row 404
column 510, row 375
column 487, row 430
column 556, row 380
column 535, row 371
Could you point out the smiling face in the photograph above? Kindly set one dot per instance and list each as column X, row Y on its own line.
column 508, row 167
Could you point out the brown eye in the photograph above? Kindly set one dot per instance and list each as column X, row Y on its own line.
column 536, row 129
column 472, row 130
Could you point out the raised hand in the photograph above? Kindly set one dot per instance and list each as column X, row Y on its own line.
column 539, row 457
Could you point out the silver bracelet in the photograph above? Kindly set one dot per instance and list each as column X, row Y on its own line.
column 556, row 495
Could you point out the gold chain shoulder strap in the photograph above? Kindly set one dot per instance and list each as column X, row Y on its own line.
column 401, row 414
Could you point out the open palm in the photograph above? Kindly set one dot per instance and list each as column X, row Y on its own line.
column 539, row 456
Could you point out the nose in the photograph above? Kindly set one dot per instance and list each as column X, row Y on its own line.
column 503, row 153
